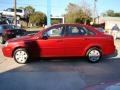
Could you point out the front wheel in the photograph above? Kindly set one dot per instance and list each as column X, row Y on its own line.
column 21, row 56
column 94, row 55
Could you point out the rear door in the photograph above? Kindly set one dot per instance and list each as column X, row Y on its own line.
column 77, row 39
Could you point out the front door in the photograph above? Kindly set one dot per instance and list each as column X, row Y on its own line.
column 52, row 44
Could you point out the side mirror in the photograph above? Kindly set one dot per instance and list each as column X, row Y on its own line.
column 45, row 36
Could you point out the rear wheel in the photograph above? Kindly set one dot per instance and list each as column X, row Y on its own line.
column 21, row 56
column 94, row 55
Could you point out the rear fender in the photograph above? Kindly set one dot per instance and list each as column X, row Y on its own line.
column 92, row 46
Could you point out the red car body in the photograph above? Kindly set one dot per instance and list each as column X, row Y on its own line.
column 62, row 46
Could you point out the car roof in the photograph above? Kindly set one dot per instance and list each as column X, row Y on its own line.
column 87, row 26
column 91, row 28
column 74, row 24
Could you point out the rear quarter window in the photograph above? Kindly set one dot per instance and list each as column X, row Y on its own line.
column 89, row 32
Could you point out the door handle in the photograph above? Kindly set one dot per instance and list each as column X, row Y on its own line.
column 59, row 41
column 85, row 39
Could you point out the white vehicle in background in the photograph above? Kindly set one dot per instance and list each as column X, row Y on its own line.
column 20, row 13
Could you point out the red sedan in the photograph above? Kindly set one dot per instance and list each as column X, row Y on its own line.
column 63, row 40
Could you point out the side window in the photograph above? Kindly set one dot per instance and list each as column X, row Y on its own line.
column 10, row 10
column 76, row 31
column 18, row 10
column 55, row 32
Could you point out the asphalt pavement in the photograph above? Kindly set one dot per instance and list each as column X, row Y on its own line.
column 58, row 74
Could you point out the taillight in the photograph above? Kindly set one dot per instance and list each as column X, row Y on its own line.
column 7, row 32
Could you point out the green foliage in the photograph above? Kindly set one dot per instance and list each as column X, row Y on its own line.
column 56, row 21
column 29, row 10
column 111, row 13
column 37, row 18
column 77, row 14
column 34, row 18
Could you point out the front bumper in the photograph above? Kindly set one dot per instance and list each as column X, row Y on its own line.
column 7, row 51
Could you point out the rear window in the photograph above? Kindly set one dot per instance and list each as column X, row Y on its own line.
column 100, row 29
column 10, row 27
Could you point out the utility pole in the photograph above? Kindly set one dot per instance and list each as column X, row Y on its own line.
column 48, row 12
column 15, row 13
column 94, row 11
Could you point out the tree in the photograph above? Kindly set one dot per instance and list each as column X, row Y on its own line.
column 37, row 18
column 34, row 18
column 72, row 7
column 77, row 14
column 29, row 10
column 111, row 13
column 21, row 8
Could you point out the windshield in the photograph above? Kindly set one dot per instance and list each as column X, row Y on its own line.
column 10, row 27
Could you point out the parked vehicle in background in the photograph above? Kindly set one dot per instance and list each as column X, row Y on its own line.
column 62, row 40
column 3, row 27
column 10, row 12
column 4, row 20
column 10, row 31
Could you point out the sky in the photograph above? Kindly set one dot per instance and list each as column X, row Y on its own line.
column 58, row 6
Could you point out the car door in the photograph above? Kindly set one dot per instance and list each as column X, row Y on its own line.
column 52, row 44
column 76, row 40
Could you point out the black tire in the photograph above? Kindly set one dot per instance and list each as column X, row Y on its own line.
column 2, row 41
column 21, row 56
column 94, row 55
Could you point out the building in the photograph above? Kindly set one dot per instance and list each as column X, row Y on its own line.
column 109, row 22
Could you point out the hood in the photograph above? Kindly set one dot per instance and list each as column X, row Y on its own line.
column 22, row 38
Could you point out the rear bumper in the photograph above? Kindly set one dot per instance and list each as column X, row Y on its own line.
column 112, row 55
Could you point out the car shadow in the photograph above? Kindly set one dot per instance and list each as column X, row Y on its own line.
column 55, row 73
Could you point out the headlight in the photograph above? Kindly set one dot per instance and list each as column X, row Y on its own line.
column 6, row 43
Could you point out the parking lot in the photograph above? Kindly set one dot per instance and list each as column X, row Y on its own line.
column 60, row 74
